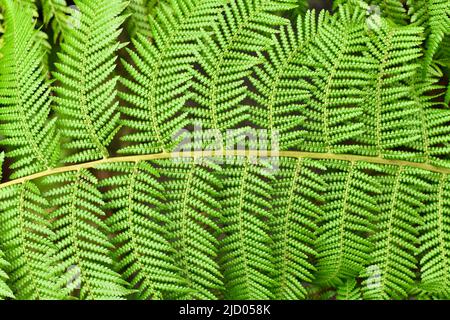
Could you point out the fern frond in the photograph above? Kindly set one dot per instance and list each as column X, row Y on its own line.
column 349, row 213
column 142, row 252
column 227, row 57
column 246, row 246
column 60, row 15
column 390, row 112
column 158, row 88
column 80, row 236
column 29, row 136
column 296, row 208
column 339, row 73
column 435, row 239
column 193, row 213
column 139, row 20
column 349, row 291
column 392, row 265
column 434, row 17
column 277, row 96
column 86, row 106
column 433, row 116
column 25, row 240
column 5, row 291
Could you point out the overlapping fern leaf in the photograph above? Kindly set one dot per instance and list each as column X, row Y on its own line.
column 297, row 195
column 434, row 243
column 158, row 88
column 80, row 235
column 5, row 291
column 193, row 214
column 60, row 16
column 279, row 96
column 391, row 267
column 30, row 137
column 335, row 60
column 226, row 58
column 139, row 20
column 142, row 250
column 86, row 102
column 434, row 16
column 349, row 213
column 349, row 291
column 25, row 237
column 390, row 110
column 246, row 246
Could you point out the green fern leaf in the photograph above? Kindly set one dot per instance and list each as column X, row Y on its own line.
column 349, row 291
column 139, row 20
column 86, row 105
column 158, row 87
column 276, row 94
column 61, row 16
column 29, row 137
column 435, row 249
column 390, row 111
column 297, row 195
column 335, row 61
column 349, row 213
column 390, row 273
column 246, row 27
column 142, row 251
column 193, row 213
column 80, row 235
column 5, row 291
column 25, row 240
column 246, row 247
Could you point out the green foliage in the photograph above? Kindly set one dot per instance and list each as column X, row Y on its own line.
column 86, row 102
column 143, row 253
column 82, row 246
column 60, row 16
column 29, row 137
column 349, row 212
column 349, row 291
column 193, row 213
column 391, row 113
column 393, row 261
column 351, row 203
column 26, row 242
column 297, row 194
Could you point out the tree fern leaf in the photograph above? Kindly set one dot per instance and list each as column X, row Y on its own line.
column 60, row 15
column 349, row 211
column 158, row 87
column 246, row 247
column 30, row 138
column 339, row 72
column 227, row 57
column 80, row 235
column 142, row 252
column 435, row 245
column 390, row 111
column 390, row 273
column 192, row 214
column 5, row 291
column 276, row 95
column 435, row 136
column 349, row 291
column 139, row 20
column 87, row 91
column 25, row 241
column 297, row 193
column 434, row 16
